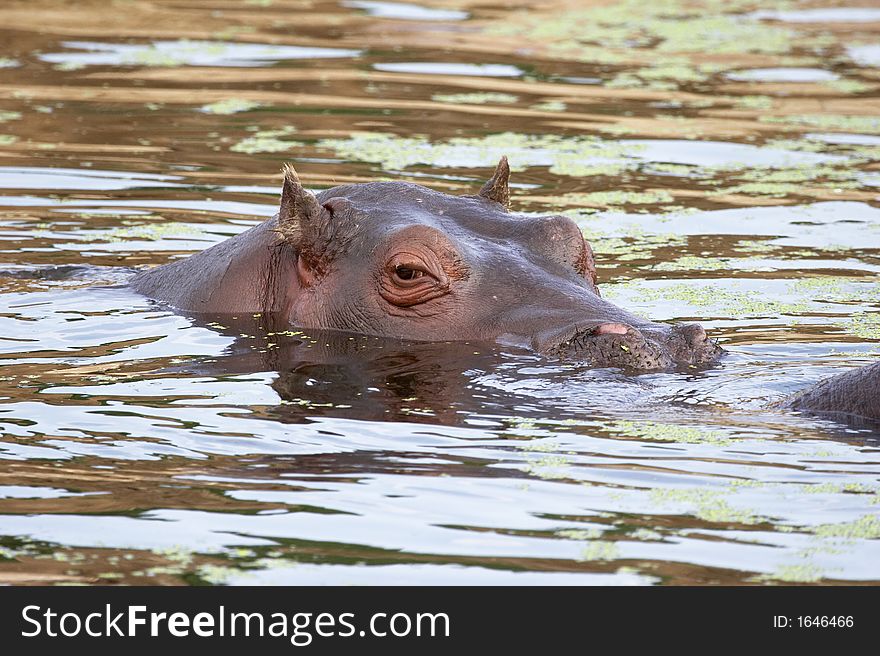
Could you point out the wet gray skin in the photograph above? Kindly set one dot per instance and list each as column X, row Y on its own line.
column 399, row 260
column 646, row 347
column 852, row 397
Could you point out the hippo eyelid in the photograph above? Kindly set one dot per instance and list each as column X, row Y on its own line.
column 408, row 273
column 413, row 273
column 431, row 250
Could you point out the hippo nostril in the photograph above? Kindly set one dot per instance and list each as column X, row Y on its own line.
column 611, row 329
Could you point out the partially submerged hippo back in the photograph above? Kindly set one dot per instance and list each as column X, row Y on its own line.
column 852, row 397
column 400, row 260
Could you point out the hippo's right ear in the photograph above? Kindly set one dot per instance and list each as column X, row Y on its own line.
column 301, row 218
column 496, row 188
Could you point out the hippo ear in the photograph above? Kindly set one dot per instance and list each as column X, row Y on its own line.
column 496, row 188
column 301, row 218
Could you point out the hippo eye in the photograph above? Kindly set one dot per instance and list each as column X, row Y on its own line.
column 412, row 279
column 407, row 273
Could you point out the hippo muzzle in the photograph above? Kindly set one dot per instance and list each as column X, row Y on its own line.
column 646, row 348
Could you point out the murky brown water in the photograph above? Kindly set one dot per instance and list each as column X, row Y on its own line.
column 721, row 156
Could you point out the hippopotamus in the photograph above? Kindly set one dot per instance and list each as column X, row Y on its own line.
column 852, row 397
column 400, row 260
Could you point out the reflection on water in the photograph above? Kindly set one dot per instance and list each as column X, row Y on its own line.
column 722, row 162
column 405, row 11
column 185, row 53
column 783, row 75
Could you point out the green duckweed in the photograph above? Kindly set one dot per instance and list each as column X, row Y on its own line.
column 476, row 98
column 599, row 550
column 668, row 432
column 858, row 123
column 865, row 325
column 574, row 156
column 866, row 527
column 800, row 573
column 266, row 141
column 230, row 106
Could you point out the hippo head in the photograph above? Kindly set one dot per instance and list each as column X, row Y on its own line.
column 400, row 260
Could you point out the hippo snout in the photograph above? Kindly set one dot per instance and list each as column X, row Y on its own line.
column 689, row 344
column 653, row 347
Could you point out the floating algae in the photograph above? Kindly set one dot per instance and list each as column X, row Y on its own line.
column 866, row 527
column 617, row 198
column 848, row 123
column 580, row 534
column 550, row 106
column 659, row 432
column 771, row 189
column 800, row 573
column 678, row 26
column 230, row 106
column 632, row 31
column 475, row 98
column 708, row 505
column 266, row 141
column 153, row 232
column 724, row 302
column 697, row 263
column 574, row 156
column 865, row 325
column 599, row 550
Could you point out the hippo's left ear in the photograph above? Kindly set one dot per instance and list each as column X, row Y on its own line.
column 496, row 188
column 301, row 219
